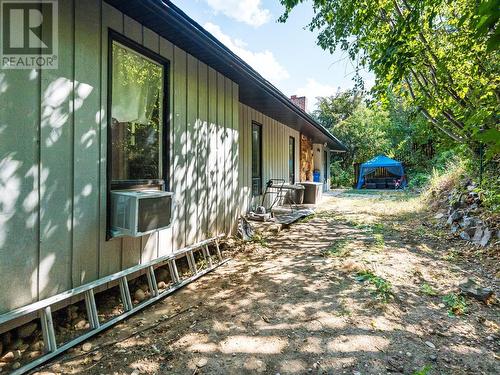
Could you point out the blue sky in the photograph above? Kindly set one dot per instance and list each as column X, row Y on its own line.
column 285, row 54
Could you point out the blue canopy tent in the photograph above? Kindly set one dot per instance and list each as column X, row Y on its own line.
column 393, row 166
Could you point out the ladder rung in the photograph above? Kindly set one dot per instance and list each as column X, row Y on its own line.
column 43, row 307
column 219, row 254
column 208, row 257
column 49, row 336
column 153, row 288
column 91, row 309
column 191, row 262
column 125, row 294
column 174, row 274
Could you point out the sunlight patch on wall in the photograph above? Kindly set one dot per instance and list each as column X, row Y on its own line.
column 10, row 186
column 54, row 111
column 46, row 265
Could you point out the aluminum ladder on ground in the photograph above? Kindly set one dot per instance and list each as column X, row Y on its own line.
column 43, row 308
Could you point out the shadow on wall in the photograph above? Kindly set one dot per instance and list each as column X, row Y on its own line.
column 50, row 197
column 40, row 203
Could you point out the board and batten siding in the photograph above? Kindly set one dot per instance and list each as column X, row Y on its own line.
column 53, row 152
column 275, row 137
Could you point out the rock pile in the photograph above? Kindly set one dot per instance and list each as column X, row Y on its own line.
column 464, row 208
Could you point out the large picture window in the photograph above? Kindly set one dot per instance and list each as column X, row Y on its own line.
column 256, row 159
column 137, row 143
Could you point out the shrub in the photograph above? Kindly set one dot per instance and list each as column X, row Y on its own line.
column 456, row 304
column 383, row 288
column 340, row 177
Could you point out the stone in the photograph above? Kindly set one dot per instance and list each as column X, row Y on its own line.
column 433, row 357
column 430, row 345
column 478, row 234
column 162, row 274
column 8, row 357
column 454, row 228
column 465, row 236
column 139, row 295
column 81, row 324
column 439, row 216
column 38, row 345
column 394, row 364
column 135, row 372
column 472, row 289
column 486, row 237
column 162, row 285
column 34, row 354
column 456, row 216
column 87, row 347
column 201, row 363
column 468, row 222
column 16, row 365
column 26, row 330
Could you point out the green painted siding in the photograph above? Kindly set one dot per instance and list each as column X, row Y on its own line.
column 53, row 157
column 53, row 136
column 275, row 137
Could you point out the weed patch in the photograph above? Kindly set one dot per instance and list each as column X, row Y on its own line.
column 259, row 239
column 337, row 249
column 451, row 255
column 379, row 240
column 428, row 290
column 456, row 304
column 383, row 288
column 423, row 371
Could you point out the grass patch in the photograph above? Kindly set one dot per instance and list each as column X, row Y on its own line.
column 428, row 290
column 379, row 240
column 383, row 288
column 451, row 255
column 260, row 240
column 456, row 304
column 338, row 248
column 423, row 371
column 343, row 309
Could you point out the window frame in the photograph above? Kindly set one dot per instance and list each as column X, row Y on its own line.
column 259, row 125
column 162, row 183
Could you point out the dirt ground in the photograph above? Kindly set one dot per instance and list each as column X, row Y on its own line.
column 366, row 286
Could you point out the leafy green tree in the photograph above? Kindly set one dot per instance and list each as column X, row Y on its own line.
column 334, row 109
column 441, row 56
column 364, row 133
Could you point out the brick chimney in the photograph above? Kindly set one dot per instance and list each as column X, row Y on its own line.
column 300, row 101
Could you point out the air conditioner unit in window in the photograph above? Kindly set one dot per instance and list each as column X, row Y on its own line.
column 138, row 212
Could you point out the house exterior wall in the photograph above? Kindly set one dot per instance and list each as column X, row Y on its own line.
column 53, row 137
column 275, row 136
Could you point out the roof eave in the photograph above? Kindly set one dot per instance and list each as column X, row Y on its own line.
column 166, row 10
